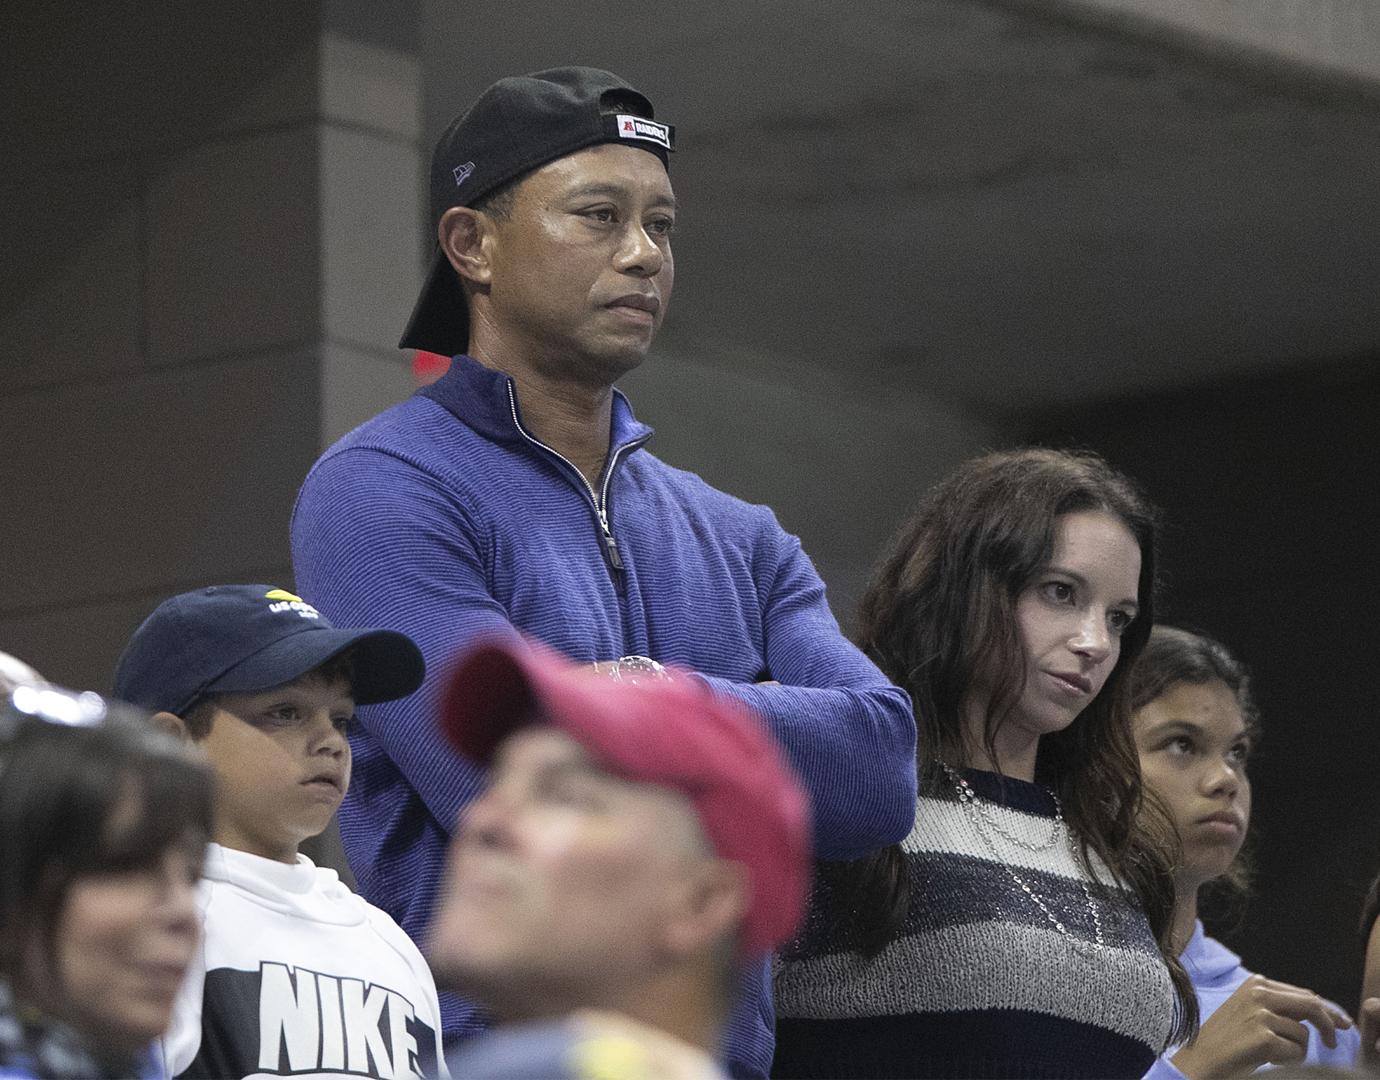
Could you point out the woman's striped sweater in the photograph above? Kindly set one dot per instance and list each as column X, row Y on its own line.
column 979, row 982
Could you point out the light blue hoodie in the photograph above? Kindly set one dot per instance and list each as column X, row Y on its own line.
column 1216, row 973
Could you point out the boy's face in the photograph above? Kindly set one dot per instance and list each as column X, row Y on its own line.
column 282, row 762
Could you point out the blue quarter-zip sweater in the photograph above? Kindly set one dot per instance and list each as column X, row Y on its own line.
column 444, row 518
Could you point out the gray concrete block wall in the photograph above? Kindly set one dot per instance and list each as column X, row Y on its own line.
column 89, row 84
column 169, row 474
column 211, row 249
column 71, row 280
column 232, row 242
column 142, row 485
column 371, row 253
column 74, row 642
column 373, row 182
column 355, row 384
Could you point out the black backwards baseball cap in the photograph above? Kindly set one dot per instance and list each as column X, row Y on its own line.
column 229, row 639
column 517, row 125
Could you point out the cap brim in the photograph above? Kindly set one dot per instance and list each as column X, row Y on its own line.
column 501, row 686
column 491, row 693
column 440, row 322
column 388, row 665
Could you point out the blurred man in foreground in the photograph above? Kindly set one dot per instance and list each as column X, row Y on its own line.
column 639, row 843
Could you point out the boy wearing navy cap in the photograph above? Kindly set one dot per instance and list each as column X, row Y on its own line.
column 297, row 973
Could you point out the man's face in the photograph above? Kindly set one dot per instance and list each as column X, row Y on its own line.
column 562, row 882
column 581, row 267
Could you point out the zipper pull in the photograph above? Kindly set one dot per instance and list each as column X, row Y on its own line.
column 610, row 545
column 611, row 548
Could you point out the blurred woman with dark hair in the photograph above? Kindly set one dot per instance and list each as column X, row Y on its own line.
column 102, row 828
column 1195, row 725
column 1022, row 928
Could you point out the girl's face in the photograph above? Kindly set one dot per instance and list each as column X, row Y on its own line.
column 124, row 941
column 1193, row 745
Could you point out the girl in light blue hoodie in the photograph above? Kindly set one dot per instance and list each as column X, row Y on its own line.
column 1194, row 726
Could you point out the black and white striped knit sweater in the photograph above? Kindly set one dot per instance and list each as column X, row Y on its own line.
column 979, row 982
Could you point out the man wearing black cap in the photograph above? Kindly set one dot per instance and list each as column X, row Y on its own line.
column 516, row 494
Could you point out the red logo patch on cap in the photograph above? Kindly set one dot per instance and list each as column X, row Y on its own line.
column 637, row 127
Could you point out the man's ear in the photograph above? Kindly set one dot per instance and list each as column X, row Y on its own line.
column 711, row 905
column 173, row 724
column 465, row 235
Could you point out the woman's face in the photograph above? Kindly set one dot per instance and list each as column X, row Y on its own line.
column 1071, row 618
column 124, row 941
column 1193, row 745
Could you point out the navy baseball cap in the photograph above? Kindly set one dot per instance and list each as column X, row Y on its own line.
column 517, row 125
column 229, row 639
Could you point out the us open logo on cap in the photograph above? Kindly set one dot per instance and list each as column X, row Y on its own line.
column 637, row 127
column 286, row 601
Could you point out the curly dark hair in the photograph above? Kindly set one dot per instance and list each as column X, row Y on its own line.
column 939, row 617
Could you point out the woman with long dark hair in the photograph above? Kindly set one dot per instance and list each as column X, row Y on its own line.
column 1195, row 724
column 1022, row 928
column 102, row 827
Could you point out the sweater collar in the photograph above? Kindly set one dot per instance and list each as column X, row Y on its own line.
column 302, row 888
column 240, row 867
column 1206, row 959
column 485, row 400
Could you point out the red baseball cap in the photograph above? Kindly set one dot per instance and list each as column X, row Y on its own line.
column 674, row 732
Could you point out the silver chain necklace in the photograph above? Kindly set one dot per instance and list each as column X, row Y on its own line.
column 973, row 807
column 968, row 797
